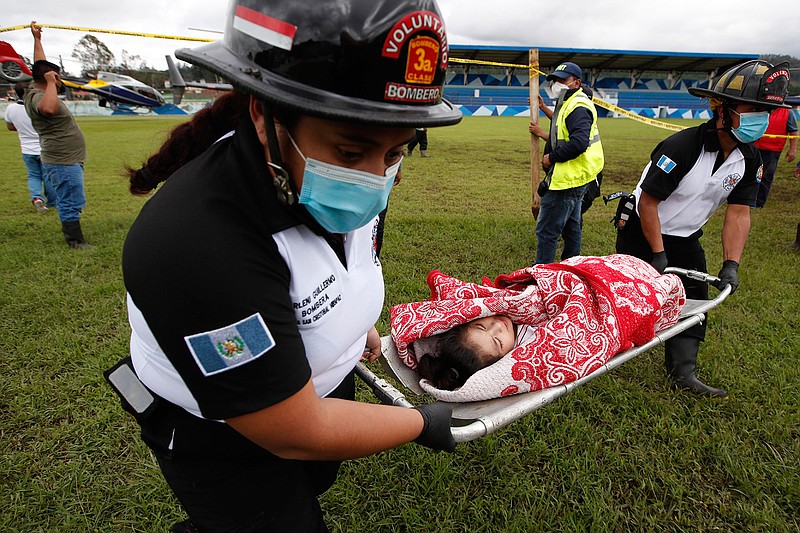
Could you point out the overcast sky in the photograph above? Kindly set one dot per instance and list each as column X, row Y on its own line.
column 711, row 26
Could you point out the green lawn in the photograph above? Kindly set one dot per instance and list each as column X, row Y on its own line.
column 623, row 453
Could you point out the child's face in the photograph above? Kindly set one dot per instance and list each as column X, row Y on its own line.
column 491, row 337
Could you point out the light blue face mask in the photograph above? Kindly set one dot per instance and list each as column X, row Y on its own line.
column 751, row 126
column 342, row 199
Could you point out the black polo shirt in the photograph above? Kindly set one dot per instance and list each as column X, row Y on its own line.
column 236, row 300
column 688, row 173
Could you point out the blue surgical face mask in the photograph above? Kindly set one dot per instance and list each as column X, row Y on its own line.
column 342, row 199
column 751, row 126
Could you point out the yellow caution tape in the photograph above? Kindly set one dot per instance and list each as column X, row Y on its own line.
column 117, row 32
column 633, row 116
column 602, row 103
column 775, row 136
column 596, row 100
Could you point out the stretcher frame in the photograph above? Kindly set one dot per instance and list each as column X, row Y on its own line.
column 472, row 420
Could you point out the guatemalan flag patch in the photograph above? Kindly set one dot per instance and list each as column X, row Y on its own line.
column 225, row 348
column 666, row 164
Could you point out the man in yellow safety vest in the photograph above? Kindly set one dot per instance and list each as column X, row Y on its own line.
column 573, row 157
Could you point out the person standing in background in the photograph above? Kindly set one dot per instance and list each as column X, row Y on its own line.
column 63, row 145
column 573, row 157
column 422, row 140
column 41, row 192
column 796, row 244
column 781, row 122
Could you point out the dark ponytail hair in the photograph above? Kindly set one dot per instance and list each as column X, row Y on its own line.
column 454, row 364
column 189, row 140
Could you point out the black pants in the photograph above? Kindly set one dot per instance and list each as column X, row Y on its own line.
column 682, row 252
column 226, row 483
column 421, row 140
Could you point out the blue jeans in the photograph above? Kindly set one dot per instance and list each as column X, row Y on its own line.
column 559, row 215
column 38, row 186
column 67, row 180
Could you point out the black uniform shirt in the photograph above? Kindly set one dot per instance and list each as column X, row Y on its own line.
column 691, row 177
column 203, row 266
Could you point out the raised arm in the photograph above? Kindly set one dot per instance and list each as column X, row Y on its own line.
column 38, row 50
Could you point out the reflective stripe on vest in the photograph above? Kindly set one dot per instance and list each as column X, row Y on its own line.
column 585, row 167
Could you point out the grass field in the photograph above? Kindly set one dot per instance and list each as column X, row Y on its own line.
column 623, row 453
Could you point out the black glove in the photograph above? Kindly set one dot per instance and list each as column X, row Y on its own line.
column 436, row 431
column 659, row 261
column 728, row 275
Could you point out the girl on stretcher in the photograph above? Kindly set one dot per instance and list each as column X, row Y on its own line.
column 535, row 328
column 465, row 349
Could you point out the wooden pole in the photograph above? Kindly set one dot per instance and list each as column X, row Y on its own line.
column 533, row 77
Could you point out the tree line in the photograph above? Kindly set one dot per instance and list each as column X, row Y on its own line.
column 94, row 56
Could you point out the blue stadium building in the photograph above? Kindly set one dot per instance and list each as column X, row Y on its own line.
column 493, row 80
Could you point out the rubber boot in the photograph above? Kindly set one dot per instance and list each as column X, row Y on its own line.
column 423, row 153
column 680, row 358
column 73, row 235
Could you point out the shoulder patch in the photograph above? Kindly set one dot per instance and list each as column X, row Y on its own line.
column 228, row 347
column 666, row 164
column 730, row 181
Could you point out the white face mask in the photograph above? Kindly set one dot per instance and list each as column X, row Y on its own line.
column 557, row 87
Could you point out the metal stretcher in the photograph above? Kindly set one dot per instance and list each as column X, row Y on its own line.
column 472, row 420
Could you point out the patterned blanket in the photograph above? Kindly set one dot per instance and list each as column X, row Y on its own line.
column 585, row 309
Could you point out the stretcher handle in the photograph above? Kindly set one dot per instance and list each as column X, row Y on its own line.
column 381, row 388
column 692, row 274
column 707, row 278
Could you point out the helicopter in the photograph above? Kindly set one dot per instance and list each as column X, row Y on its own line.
column 13, row 68
column 118, row 91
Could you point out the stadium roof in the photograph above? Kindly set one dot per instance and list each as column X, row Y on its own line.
column 603, row 60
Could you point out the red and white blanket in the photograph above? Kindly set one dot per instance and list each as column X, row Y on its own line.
column 585, row 309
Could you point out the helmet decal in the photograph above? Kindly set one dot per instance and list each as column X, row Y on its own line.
column 423, row 53
column 264, row 28
column 779, row 72
column 414, row 23
column 776, row 85
column 424, row 56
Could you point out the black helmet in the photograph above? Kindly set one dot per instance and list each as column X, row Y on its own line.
column 379, row 62
column 753, row 82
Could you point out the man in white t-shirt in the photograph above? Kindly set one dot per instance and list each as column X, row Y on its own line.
column 42, row 193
